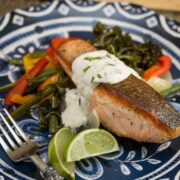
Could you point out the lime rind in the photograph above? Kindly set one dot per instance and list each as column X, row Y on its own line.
column 50, row 148
column 56, row 151
column 81, row 148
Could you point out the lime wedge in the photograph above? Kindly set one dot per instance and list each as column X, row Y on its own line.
column 89, row 143
column 56, row 152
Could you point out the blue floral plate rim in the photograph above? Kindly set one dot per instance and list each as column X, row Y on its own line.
column 34, row 25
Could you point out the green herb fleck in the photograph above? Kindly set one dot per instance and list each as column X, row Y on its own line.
column 79, row 101
column 86, row 68
column 92, row 79
column 110, row 64
column 99, row 76
column 93, row 58
column 108, row 55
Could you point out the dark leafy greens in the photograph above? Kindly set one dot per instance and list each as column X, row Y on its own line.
column 138, row 56
column 49, row 109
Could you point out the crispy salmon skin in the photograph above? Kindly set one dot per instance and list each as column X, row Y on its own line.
column 133, row 109
column 130, row 108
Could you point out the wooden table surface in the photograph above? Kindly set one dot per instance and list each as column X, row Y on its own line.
column 10, row 5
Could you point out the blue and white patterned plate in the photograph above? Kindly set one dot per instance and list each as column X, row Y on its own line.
column 25, row 30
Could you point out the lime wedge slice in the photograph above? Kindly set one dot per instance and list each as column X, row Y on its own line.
column 89, row 143
column 56, row 152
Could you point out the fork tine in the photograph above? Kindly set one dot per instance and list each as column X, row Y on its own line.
column 16, row 126
column 4, row 145
column 18, row 140
column 13, row 145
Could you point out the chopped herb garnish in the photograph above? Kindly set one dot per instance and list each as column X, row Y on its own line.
column 86, row 68
column 92, row 79
column 99, row 76
column 110, row 64
column 108, row 55
column 79, row 101
column 113, row 49
column 93, row 58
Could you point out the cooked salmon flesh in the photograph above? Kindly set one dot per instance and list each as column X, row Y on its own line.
column 130, row 108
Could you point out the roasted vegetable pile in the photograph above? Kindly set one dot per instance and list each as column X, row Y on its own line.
column 138, row 56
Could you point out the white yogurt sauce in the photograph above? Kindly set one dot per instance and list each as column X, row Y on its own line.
column 89, row 70
column 75, row 114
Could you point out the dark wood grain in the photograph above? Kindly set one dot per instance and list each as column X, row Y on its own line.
column 10, row 5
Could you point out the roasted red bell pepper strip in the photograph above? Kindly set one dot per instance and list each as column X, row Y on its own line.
column 158, row 70
column 22, row 84
column 51, row 54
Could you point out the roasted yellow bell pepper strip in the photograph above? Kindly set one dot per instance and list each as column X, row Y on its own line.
column 18, row 99
column 31, row 58
column 51, row 80
column 22, row 84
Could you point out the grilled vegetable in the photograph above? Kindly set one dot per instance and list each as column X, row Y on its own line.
column 54, row 122
column 22, row 84
column 175, row 88
column 138, row 56
column 16, row 62
column 159, row 84
column 45, row 75
column 51, row 80
column 31, row 58
column 50, row 108
column 18, row 99
column 7, row 86
column 158, row 70
column 23, row 109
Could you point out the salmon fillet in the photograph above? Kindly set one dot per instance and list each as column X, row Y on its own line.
column 133, row 109
column 69, row 51
column 130, row 108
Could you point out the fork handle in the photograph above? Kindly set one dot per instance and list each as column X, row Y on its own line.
column 48, row 173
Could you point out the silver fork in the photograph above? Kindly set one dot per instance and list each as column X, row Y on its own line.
column 20, row 147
